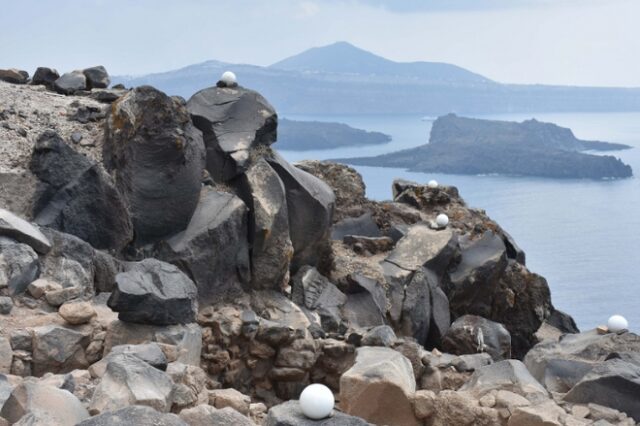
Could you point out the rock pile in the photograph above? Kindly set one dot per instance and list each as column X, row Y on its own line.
column 180, row 271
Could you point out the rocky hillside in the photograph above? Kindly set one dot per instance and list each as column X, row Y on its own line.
column 463, row 145
column 160, row 263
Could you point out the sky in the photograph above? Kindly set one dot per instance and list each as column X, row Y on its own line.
column 568, row 42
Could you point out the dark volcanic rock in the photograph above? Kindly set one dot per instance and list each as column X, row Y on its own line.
column 471, row 334
column 294, row 135
column 615, row 384
column 363, row 225
column 531, row 148
column 290, row 414
column 134, row 415
column 213, row 250
column 22, row 231
column 97, row 77
column 75, row 196
column 234, row 121
column 156, row 156
column 70, row 83
column 316, row 292
column 154, row 292
column 310, row 202
column 271, row 248
column 19, row 265
column 45, row 76
column 14, row 76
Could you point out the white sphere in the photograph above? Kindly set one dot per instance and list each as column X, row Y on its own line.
column 433, row 184
column 228, row 78
column 316, row 401
column 617, row 323
column 442, row 220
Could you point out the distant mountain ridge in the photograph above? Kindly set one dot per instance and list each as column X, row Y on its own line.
column 462, row 145
column 342, row 79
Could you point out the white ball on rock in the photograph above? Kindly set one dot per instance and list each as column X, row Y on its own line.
column 617, row 323
column 442, row 220
column 433, row 184
column 228, row 78
column 316, row 401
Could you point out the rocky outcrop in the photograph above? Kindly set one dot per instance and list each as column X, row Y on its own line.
column 156, row 157
column 235, row 123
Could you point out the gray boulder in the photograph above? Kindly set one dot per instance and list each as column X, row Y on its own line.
column 213, row 250
column 134, row 415
column 271, row 249
column 45, row 76
column 510, row 375
column 234, row 122
column 75, row 196
column 22, row 231
column 130, row 381
column 59, row 349
column 14, row 76
column 97, row 77
column 5, row 388
column 45, row 404
column 156, row 157
column 70, row 83
column 206, row 415
column 363, row 225
column 471, row 334
column 19, row 265
column 290, row 414
column 154, row 292
column 366, row 303
column 151, row 353
column 381, row 335
column 310, row 204
column 614, row 383
column 314, row 291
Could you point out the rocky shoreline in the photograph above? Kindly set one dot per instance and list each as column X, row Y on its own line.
column 174, row 269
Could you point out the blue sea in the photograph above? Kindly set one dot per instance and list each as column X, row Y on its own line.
column 583, row 236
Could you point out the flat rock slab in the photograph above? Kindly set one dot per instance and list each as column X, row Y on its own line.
column 154, row 292
column 22, row 231
column 290, row 414
column 134, row 415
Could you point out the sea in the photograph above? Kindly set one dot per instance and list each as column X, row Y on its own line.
column 583, row 236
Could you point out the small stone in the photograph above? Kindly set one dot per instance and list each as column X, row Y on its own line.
column 221, row 398
column 39, row 287
column 488, row 401
column 77, row 313
column 76, row 137
column 14, row 76
column 6, row 304
column 602, row 329
column 58, row 297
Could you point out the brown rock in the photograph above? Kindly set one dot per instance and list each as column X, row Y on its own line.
column 77, row 313
column 221, row 398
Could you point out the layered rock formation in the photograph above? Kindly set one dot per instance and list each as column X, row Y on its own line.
column 219, row 280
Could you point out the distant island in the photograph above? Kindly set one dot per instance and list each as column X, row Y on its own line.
column 342, row 79
column 462, row 145
column 296, row 135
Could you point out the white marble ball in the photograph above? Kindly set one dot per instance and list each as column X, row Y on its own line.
column 316, row 401
column 433, row 184
column 617, row 323
column 228, row 78
column 442, row 220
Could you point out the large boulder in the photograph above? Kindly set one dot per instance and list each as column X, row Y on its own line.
column 290, row 414
column 154, row 292
column 213, row 250
column 14, row 76
column 22, row 231
column 134, row 415
column 314, row 291
column 151, row 353
column 59, row 349
column 45, row 76
column 379, row 387
column 234, row 122
column 310, row 204
column 46, row 404
column 271, row 249
column 75, row 196
column 206, row 415
column 471, row 334
column 97, row 77
column 130, row 381
column 19, row 265
column 70, row 83
column 614, row 383
column 510, row 375
column 156, row 156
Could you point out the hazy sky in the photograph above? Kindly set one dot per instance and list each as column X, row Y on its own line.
column 580, row 42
